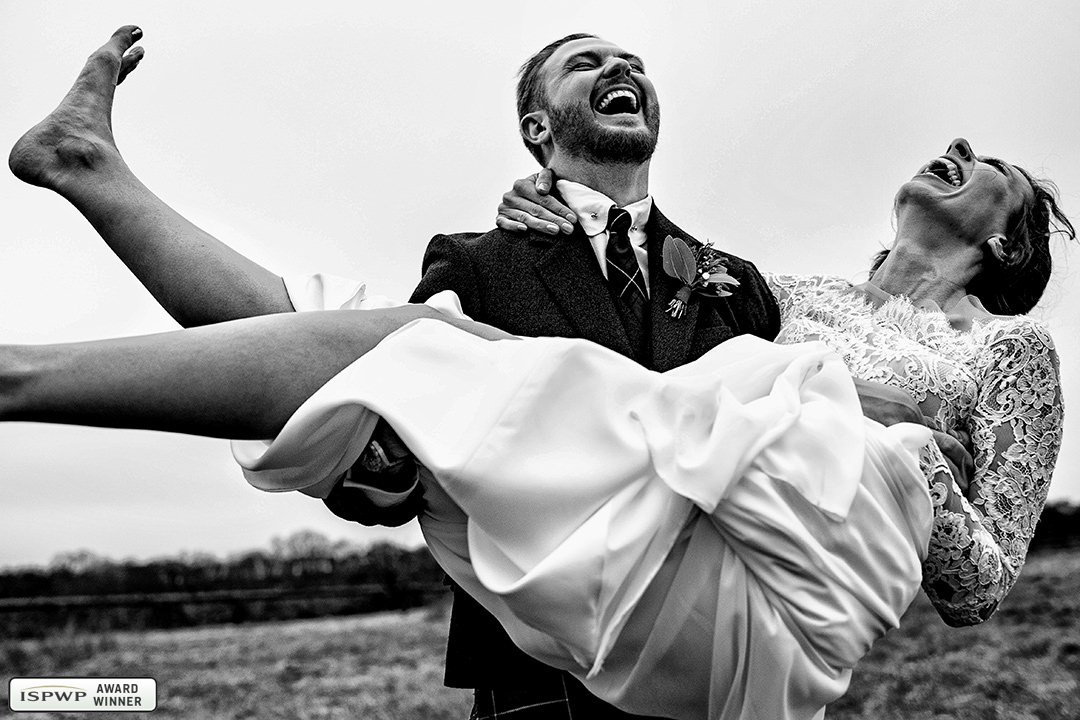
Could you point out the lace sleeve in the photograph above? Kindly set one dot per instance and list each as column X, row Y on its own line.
column 780, row 286
column 793, row 293
column 978, row 546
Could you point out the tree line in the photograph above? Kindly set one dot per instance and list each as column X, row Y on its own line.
column 1059, row 527
column 302, row 575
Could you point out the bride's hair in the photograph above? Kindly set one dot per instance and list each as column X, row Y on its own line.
column 1013, row 284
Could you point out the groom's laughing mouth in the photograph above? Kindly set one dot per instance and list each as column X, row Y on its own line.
column 618, row 100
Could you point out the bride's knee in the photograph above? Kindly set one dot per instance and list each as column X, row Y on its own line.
column 14, row 374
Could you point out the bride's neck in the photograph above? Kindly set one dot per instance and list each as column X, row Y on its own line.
column 924, row 275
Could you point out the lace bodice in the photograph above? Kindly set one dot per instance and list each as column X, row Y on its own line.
column 994, row 384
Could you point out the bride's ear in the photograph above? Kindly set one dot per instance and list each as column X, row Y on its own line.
column 998, row 246
column 535, row 128
column 997, row 249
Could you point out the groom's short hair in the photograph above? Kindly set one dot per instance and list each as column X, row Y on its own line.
column 530, row 88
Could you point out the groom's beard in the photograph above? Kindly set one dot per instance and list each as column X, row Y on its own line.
column 579, row 135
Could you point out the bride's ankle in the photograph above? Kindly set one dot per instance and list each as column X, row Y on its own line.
column 58, row 152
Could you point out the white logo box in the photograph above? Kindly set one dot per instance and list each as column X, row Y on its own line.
column 82, row 694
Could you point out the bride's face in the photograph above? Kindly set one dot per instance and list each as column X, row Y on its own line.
column 971, row 197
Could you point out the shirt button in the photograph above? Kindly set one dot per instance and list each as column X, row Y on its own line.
column 593, row 215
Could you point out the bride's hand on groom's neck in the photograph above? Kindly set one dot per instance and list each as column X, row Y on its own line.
column 530, row 206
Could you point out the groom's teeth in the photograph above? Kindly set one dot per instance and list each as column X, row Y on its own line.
column 615, row 95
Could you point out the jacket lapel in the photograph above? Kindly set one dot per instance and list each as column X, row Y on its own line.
column 671, row 337
column 567, row 266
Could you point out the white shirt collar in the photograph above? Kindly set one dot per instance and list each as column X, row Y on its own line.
column 592, row 208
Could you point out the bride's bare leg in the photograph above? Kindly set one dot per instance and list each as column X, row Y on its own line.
column 241, row 379
column 194, row 276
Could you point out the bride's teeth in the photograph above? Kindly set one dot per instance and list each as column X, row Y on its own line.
column 954, row 175
column 951, row 172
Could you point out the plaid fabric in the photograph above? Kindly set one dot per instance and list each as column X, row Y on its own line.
column 625, row 279
column 562, row 699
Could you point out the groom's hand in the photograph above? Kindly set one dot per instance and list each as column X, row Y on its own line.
column 957, row 454
column 387, row 468
column 886, row 404
column 889, row 405
column 529, row 206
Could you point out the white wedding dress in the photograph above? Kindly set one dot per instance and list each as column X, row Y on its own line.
column 725, row 540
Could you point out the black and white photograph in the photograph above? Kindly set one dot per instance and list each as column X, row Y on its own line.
column 405, row 360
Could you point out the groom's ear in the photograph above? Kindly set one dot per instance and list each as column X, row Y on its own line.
column 535, row 128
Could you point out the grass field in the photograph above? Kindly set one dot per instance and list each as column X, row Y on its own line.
column 1024, row 664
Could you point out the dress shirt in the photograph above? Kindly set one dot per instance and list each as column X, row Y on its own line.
column 591, row 208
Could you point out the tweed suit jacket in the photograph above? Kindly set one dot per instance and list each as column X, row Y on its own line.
column 537, row 285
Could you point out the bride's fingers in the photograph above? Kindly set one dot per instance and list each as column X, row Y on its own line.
column 505, row 221
column 542, row 183
column 517, row 213
column 533, row 194
column 544, row 180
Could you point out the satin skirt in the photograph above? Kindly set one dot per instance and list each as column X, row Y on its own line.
column 724, row 540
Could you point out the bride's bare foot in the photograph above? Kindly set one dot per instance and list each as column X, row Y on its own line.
column 77, row 135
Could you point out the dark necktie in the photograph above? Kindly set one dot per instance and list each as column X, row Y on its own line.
column 625, row 278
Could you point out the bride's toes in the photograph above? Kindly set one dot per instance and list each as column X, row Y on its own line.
column 123, row 38
column 129, row 62
column 105, row 64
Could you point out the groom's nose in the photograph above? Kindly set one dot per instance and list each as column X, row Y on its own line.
column 616, row 66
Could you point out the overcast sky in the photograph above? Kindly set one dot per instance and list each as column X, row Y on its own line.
column 342, row 136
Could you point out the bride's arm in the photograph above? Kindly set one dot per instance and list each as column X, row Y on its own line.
column 242, row 379
column 978, row 546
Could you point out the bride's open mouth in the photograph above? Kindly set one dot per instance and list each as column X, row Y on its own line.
column 944, row 169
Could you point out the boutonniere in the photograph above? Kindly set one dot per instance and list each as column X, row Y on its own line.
column 700, row 269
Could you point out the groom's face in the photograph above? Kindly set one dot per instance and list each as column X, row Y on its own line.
column 600, row 104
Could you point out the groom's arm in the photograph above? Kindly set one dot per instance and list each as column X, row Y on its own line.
column 890, row 405
column 448, row 265
column 383, row 487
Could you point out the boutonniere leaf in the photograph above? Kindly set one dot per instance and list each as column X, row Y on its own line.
column 679, row 260
column 701, row 270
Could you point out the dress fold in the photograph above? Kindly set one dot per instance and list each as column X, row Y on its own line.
column 724, row 540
